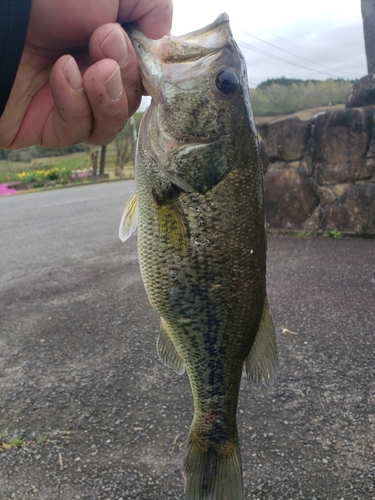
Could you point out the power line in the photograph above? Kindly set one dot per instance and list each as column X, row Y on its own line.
column 301, row 47
column 296, row 55
column 263, row 52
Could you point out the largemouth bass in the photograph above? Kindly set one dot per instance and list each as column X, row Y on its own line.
column 201, row 237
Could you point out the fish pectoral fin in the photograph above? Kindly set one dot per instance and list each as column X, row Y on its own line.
column 262, row 362
column 167, row 351
column 129, row 219
column 171, row 220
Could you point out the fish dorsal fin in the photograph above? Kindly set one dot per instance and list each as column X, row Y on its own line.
column 129, row 218
column 167, row 351
column 262, row 363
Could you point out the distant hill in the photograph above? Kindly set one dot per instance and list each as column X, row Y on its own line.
column 283, row 96
column 288, row 82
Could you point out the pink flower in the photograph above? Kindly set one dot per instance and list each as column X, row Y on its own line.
column 4, row 189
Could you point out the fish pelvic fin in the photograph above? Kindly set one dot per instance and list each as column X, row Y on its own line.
column 129, row 219
column 262, row 362
column 211, row 475
column 167, row 351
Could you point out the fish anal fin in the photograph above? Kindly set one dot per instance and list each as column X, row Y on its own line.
column 262, row 362
column 129, row 218
column 167, row 351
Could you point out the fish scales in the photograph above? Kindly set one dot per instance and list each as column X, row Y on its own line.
column 200, row 291
column 201, row 238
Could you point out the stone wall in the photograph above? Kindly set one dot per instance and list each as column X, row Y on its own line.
column 320, row 174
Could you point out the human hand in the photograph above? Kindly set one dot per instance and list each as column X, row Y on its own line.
column 87, row 96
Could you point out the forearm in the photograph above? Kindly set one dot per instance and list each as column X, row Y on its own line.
column 14, row 19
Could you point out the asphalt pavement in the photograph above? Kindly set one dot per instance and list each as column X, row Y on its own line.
column 78, row 364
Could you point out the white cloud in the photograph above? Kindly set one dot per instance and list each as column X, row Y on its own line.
column 333, row 29
column 332, row 52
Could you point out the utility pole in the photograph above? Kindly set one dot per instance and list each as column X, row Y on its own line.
column 102, row 160
column 363, row 91
column 368, row 15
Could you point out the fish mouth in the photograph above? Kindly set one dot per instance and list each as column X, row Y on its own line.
column 221, row 19
column 152, row 55
column 189, row 47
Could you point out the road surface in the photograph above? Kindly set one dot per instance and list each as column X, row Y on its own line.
column 78, row 364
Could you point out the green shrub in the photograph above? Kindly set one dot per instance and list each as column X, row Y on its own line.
column 272, row 99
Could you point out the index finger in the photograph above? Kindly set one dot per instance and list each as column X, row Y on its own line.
column 152, row 17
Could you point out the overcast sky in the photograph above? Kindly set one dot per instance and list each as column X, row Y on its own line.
column 327, row 35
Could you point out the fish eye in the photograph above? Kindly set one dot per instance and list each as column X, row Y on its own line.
column 227, row 81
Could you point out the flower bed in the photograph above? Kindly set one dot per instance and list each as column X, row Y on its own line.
column 41, row 177
column 5, row 189
column 48, row 178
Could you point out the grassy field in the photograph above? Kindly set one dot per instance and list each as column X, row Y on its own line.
column 73, row 162
column 304, row 115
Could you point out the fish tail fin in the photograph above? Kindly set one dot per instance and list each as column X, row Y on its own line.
column 212, row 475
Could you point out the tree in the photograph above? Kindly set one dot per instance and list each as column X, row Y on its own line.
column 93, row 154
column 125, row 143
column 368, row 15
column 281, row 99
column 4, row 154
column 102, row 160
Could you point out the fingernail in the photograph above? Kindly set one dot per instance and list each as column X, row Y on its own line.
column 115, row 47
column 114, row 85
column 73, row 75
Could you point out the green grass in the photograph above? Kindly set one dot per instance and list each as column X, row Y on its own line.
column 305, row 234
column 9, row 442
column 9, row 170
column 334, row 233
column 73, row 162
